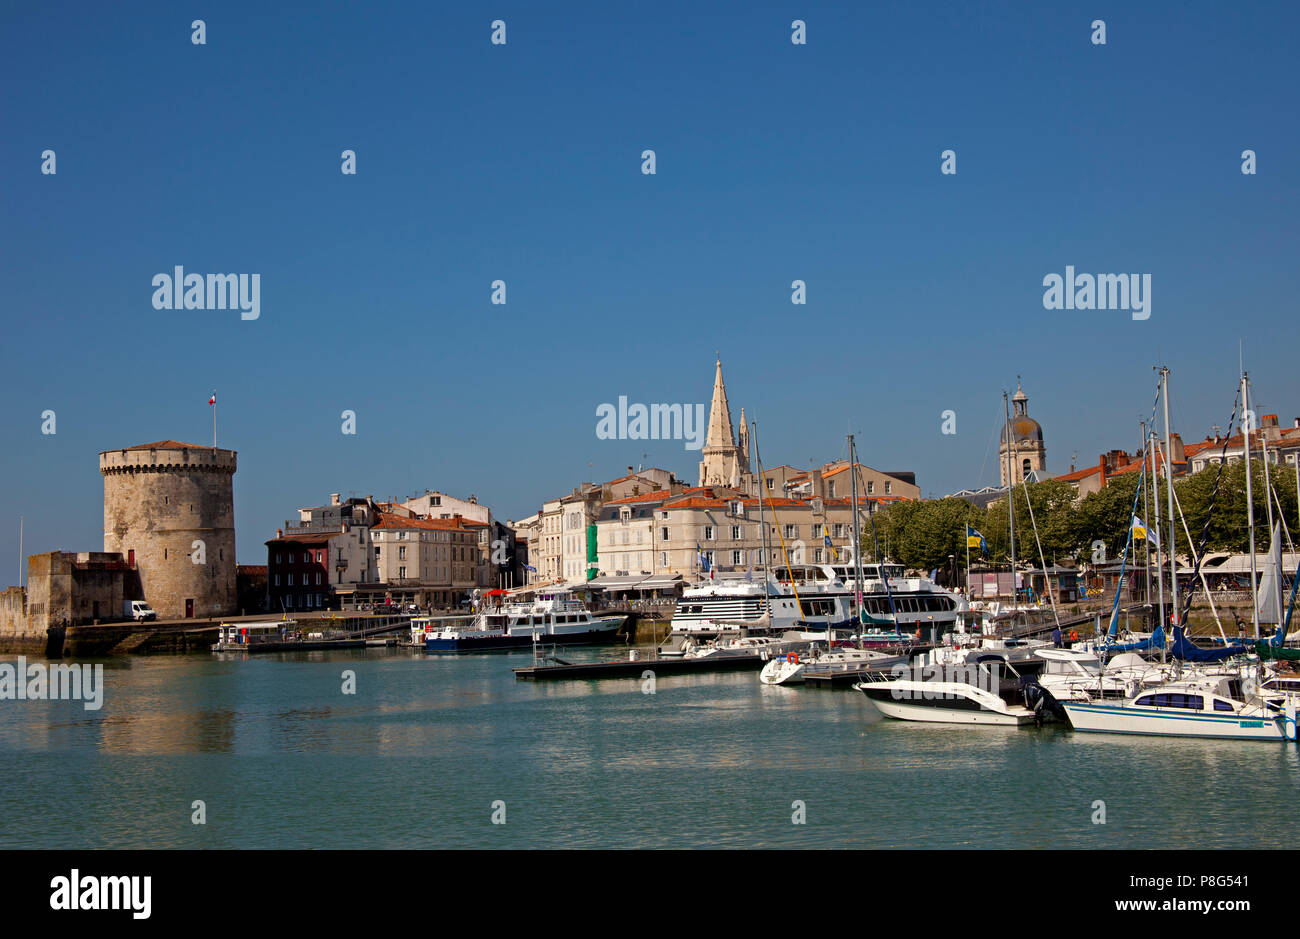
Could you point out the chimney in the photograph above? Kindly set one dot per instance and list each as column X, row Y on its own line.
column 1176, row 453
column 279, row 533
column 818, row 485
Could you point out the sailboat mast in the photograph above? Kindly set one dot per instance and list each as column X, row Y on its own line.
column 1247, row 427
column 762, row 525
column 857, row 538
column 1146, row 500
column 1160, row 575
column 1169, row 485
column 1011, row 500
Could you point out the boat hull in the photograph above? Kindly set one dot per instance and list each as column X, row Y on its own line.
column 1100, row 718
column 910, row 701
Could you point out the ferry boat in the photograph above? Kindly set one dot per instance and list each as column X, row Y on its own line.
column 554, row 618
column 826, row 599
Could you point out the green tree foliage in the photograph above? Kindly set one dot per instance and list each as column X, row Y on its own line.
column 1105, row 516
column 1229, row 526
column 922, row 534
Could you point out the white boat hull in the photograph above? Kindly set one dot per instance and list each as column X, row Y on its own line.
column 903, row 711
column 1118, row 719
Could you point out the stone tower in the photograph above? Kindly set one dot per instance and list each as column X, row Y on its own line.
column 724, row 462
column 170, row 507
column 1027, row 452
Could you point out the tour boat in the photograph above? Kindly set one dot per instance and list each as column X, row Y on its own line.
column 825, row 598
column 552, row 618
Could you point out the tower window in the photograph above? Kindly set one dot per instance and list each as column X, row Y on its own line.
column 1024, row 468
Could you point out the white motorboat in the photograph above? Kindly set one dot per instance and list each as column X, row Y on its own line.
column 789, row 669
column 1077, row 675
column 736, row 646
column 970, row 694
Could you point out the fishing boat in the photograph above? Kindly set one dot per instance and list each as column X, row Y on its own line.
column 554, row 618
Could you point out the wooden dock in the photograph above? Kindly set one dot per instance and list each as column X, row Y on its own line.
column 635, row 668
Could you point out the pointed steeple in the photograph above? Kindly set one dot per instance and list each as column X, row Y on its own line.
column 742, row 441
column 719, row 434
column 723, row 462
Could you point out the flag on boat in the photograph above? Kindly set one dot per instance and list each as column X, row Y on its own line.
column 975, row 540
column 704, row 561
column 213, row 399
column 529, row 567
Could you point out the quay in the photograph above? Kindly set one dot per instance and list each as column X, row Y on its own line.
column 635, row 668
column 195, row 635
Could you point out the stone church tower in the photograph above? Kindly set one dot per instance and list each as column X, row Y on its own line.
column 1027, row 452
column 724, row 461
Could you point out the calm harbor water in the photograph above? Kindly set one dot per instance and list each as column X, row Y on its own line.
column 417, row 757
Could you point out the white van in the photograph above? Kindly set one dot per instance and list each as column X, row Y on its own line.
column 138, row 610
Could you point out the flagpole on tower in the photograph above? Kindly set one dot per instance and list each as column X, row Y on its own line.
column 213, row 401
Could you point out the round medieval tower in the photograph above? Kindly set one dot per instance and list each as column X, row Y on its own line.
column 169, row 507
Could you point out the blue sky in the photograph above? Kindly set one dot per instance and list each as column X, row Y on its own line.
column 522, row 162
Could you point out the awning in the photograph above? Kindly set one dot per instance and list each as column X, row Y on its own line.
column 616, row 581
column 660, row 582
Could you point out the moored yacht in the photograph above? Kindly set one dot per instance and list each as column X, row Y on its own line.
column 972, row 694
column 1208, row 706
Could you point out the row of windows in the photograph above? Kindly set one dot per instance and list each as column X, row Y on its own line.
column 306, row 580
column 880, row 605
column 1194, row 702
column 307, row 557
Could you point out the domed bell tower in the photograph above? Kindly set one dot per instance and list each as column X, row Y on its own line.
column 1023, row 448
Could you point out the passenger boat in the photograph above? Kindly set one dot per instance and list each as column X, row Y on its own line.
column 825, row 598
column 554, row 618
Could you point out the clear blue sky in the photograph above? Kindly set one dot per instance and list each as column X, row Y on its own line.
column 522, row 162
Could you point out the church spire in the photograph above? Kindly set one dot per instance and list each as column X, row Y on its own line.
column 723, row 463
column 719, row 434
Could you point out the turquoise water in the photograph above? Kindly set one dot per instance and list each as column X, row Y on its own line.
column 417, row 757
